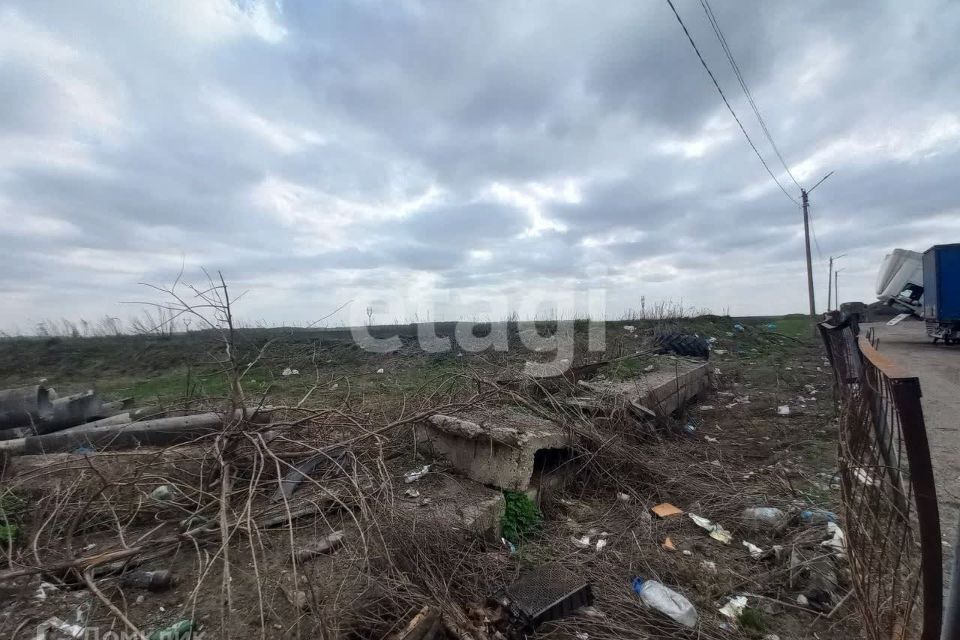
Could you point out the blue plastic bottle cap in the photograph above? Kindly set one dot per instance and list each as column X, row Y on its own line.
column 637, row 585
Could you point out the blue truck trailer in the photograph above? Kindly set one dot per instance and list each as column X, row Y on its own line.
column 941, row 292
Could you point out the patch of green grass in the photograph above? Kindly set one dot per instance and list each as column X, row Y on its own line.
column 753, row 621
column 626, row 369
column 795, row 325
column 8, row 533
column 521, row 518
column 12, row 507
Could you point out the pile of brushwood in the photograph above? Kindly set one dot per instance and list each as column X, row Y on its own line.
column 297, row 520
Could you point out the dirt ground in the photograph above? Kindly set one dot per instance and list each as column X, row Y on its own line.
column 938, row 367
column 732, row 449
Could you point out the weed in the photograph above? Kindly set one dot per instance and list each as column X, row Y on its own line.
column 752, row 621
column 11, row 508
column 521, row 518
column 8, row 533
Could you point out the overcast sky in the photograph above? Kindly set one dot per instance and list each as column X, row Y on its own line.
column 444, row 154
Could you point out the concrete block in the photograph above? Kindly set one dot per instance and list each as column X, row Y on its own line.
column 504, row 448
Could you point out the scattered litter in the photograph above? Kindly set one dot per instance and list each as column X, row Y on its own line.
column 837, row 542
column 56, row 624
column 581, row 635
column 334, row 386
column 716, row 531
column 592, row 612
column 162, row 493
column 582, row 543
column 379, row 370
column 665, row 600
column 290, row 372
column 601, row 543
column 687, row 552
column 416, row 474
column 709, row 565
column 734, row 607
column 666, row 510
column 709, row 439
column 691, row 428
column 176, row 631
column 818, row 516
column 738, row 328
column 706, row 407
column 668, row 544
column 630, row 328
column 755, row 552
column 42, row 590
column 783, row 410
column 763, row 518
column 720, row 352
column 623, row 497
column 412, row 493
column 648, row 368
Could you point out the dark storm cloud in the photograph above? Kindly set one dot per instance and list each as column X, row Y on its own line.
column 307, row 148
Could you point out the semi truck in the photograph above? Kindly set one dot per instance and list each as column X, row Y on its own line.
column 941, row 292
column 900, row 281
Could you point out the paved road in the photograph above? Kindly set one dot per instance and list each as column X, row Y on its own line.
column 938, row 368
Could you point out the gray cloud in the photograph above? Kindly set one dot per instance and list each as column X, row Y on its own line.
column 318, row 152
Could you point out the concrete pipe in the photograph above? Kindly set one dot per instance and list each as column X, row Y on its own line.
column 24, row 406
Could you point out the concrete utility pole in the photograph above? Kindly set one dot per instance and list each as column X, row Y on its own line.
column 836, row 285
column 806, row 237
column 830, row 281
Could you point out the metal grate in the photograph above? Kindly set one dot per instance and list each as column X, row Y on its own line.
column 547, row 593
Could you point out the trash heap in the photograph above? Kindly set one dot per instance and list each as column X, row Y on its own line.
column 585, row 503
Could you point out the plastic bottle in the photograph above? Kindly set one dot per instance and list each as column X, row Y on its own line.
column 818, row 516
column 763, row 517
column 666, row 601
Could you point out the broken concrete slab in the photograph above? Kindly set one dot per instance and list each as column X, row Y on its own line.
column 501, row 447
column 672, row 384
column 449, row 502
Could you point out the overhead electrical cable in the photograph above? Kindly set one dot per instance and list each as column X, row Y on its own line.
column 708, row 10
column 727, row 103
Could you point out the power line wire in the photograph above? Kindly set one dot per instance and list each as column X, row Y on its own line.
column 727, row 102
column 708, row 10
column 813, row 231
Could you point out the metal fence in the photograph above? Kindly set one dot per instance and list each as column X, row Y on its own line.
column 889, row 496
